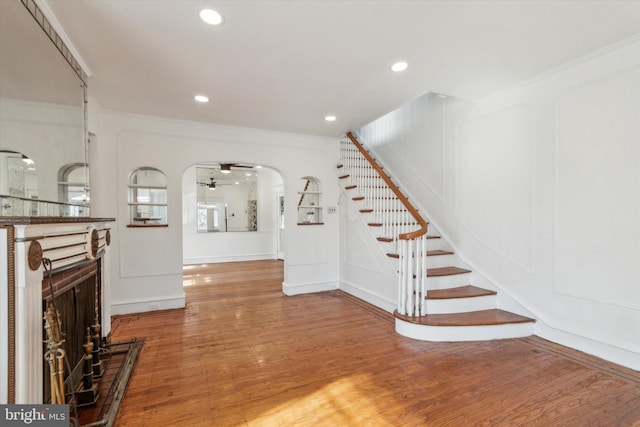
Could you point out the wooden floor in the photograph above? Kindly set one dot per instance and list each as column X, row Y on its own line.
column 242, row 353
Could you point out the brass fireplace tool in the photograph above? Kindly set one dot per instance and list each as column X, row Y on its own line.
column 88, row 392
column 55, row 354
column 98, row 367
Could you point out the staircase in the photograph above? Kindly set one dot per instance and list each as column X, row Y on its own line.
column 436, row 298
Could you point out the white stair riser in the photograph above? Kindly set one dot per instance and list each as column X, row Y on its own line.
column 461, row 305
column 445, row 282
column 432, row 245
column 438, row 261
column 436, row 244
column 463, row 333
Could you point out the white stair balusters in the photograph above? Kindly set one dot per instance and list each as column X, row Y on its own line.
column 395, row 218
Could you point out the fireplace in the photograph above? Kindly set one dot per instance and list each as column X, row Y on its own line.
column 78, row 249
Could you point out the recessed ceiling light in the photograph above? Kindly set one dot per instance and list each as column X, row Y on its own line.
column 399, row 66
column 211, row 17
column 201, row 98
column 330, row 118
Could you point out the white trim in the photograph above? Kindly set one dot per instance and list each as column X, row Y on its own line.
column 308, row 288
column 605, row 351
column 368, row 296
column 142, row 306
column 561, row 68
column 231, row 258
column 4, row 318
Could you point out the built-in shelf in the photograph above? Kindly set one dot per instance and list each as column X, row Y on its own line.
column 309, row 206
column 147, row 198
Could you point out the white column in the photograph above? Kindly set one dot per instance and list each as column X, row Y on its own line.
column 4, row 318
column 29, row 357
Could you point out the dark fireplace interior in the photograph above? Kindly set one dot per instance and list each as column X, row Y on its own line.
column 77, row 291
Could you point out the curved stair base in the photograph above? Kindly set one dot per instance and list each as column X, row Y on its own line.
column 489, row 325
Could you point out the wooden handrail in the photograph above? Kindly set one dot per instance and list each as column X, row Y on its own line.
column 306, row 186
column 423, row 224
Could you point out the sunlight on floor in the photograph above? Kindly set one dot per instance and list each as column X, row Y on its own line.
column 197, row 280
column 339, row 403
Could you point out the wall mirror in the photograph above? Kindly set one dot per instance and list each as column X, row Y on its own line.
column 42, row 117
column 226, row 198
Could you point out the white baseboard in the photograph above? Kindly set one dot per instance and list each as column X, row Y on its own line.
column 308, row 288
column 368, row 296
column 626, row 358
column 232, row 258
column 128, row 307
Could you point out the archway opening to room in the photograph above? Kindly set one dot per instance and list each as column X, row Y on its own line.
column 231, row 213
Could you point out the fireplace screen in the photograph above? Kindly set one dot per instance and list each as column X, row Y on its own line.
column 77, row 299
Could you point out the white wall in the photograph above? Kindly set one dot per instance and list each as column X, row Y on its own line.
column 538, row 189
column 147, row 262
column 365, row 270
column 231, row 246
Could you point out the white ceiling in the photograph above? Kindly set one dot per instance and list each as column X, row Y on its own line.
column 284, row 65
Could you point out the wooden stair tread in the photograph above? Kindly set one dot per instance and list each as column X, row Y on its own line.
column 446, row 271
column 343, row 176
column 459, row 292
column 429, row 253
column 472, row 318
column 439, row 253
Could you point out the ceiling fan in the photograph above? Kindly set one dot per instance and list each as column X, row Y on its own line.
column 212, row 184
column 226, row 167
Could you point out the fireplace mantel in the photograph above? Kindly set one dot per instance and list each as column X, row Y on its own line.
column 24, row 242
column 10, row 220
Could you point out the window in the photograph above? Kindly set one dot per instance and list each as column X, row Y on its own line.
column 309, row 209
column 148, row 198
column 73, row 188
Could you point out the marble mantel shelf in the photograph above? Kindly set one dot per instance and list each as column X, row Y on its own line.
column 50, row 219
